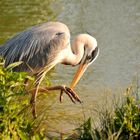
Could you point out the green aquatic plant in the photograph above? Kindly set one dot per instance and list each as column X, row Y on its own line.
column 14, row 124
column 127, row 117
column 123, row 122
column 85, row 130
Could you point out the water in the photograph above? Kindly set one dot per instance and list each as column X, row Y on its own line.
column 116, row 26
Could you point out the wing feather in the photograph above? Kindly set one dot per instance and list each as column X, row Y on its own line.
column 36, row 47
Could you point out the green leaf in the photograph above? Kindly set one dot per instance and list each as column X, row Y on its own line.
column 22, row 135
column 15, row 64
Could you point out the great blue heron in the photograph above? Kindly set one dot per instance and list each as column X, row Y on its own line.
column 43, row 46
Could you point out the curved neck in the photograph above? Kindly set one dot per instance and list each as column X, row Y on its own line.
column 74, row 53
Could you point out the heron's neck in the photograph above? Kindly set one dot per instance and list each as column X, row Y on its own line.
column 74, row 53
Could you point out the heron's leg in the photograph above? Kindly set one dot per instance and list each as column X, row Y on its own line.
column 72, row 95
column 34, row 92
column 33, row 101
column 26, row 82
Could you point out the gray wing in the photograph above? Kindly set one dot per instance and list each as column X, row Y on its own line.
column 36, row 47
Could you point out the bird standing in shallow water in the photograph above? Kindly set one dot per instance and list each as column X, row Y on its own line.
column 43, row 46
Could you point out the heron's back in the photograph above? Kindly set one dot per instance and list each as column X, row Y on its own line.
column 36, row 47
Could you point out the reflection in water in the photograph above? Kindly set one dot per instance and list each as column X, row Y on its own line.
column 114, row 23
column 17, row 15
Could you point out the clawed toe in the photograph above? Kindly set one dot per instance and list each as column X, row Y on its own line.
column 75, row 96
column 61, row 96
column 72, row 95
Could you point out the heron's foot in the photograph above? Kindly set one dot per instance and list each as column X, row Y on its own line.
column 71, row 93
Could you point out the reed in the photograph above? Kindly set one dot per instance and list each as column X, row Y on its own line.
column 120, row 123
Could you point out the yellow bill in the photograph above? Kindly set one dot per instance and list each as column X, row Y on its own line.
column 78, row 75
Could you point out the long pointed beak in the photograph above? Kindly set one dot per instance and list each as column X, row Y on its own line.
column 78, row 75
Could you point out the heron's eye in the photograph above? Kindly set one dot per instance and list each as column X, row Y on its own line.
column 91, row 57
column 88, row 58
column 95, row 52
column 59, row 33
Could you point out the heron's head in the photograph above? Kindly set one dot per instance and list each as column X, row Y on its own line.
column 91, row 52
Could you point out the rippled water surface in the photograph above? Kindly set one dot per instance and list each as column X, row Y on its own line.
column 116, row 26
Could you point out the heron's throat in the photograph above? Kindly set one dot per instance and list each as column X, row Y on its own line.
column 75, row 54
